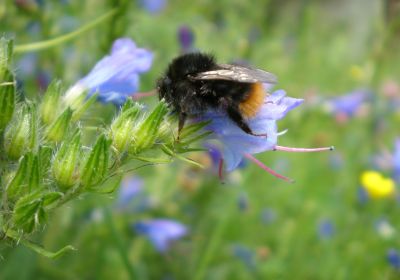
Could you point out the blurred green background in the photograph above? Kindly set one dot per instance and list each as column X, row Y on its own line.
column 253, row 226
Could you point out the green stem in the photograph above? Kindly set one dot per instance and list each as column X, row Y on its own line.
column 215, row 238
column 64, row 38
column 121, row 247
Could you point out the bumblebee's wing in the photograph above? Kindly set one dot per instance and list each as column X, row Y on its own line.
column 237, row 73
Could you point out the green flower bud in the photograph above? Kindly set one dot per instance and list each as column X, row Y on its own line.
column 27, row 177
column 7, row 97
column 121, row 129
column 6, row 50
column 96, row 165
column 22, row 135
column 58, row 129
column 51, row 102
column 65, row 163
column 148, row 131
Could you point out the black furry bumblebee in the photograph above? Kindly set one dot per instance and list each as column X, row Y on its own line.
column 194, row 83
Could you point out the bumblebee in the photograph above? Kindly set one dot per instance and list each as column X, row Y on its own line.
column 194, row 83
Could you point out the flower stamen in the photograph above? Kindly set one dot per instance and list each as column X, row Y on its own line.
column 303, row 150
column 266, row 168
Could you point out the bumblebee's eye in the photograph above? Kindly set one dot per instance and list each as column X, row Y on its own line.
column 167, row 81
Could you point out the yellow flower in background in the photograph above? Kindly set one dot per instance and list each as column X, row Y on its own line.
column 376, row 185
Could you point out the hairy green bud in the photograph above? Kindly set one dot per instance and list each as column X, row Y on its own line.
column 121, row 129
column 27, row 177
column 7, row 97
column 148, row 131
column 50, row 105
column 22, row 135
column 58, row 129
column 64, row 168
column 96, row 165
column 6, row 50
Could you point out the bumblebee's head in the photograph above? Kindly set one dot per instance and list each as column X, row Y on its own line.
column 164, row 87
column 189, row 64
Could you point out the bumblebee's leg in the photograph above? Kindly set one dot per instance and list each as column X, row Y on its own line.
column 235, row 115
column 182, row 119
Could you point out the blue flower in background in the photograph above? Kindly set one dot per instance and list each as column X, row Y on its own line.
column 346, row 106
column 396, row 161
column 116, row 76
column 186, row 39
column 393, row 257
column 246, row 255
column 161, row 232
column 326, row 229
column 153, row 6
column 130, row 188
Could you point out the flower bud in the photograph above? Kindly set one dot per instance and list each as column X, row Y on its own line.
column 50, row 103
column 65, row 163
column 148, row 131
column 96, row 165
column 58, row 129
column 27, row 177
column 122, row 127
column 6, row 50
column 7, row 97
column 22, row 135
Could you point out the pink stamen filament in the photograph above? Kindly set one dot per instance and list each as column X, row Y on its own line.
column 266, row 168
column 138, row 95
column 303, row 150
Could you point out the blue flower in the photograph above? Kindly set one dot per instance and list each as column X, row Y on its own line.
column 161, row 232
column 325, row 229
column 116, row 76
column 349, row 105
column 153, row 6
column 236, row 143
column 131, row 187
column 186, row 38
column 396, row 160
column 246, row 255
column 393, row 257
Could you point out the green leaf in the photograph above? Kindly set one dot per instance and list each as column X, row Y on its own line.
column 29, row 212
column 109, row 186
column 193, row 128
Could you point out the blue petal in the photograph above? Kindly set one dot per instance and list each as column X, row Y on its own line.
column 161, row 232
column 115, row 77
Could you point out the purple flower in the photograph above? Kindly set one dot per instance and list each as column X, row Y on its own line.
column 131, row 187
column 246, row 255
column 393, row 258
column 186, row 38
column 362, row 195
column 153, row 6
column 268, row 216
column 396, row 160
column 325, row 229
column 116, row 76
column 348, row 105
column 161, row 232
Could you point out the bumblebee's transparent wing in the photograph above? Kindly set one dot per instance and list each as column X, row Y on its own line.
column 237, row 73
